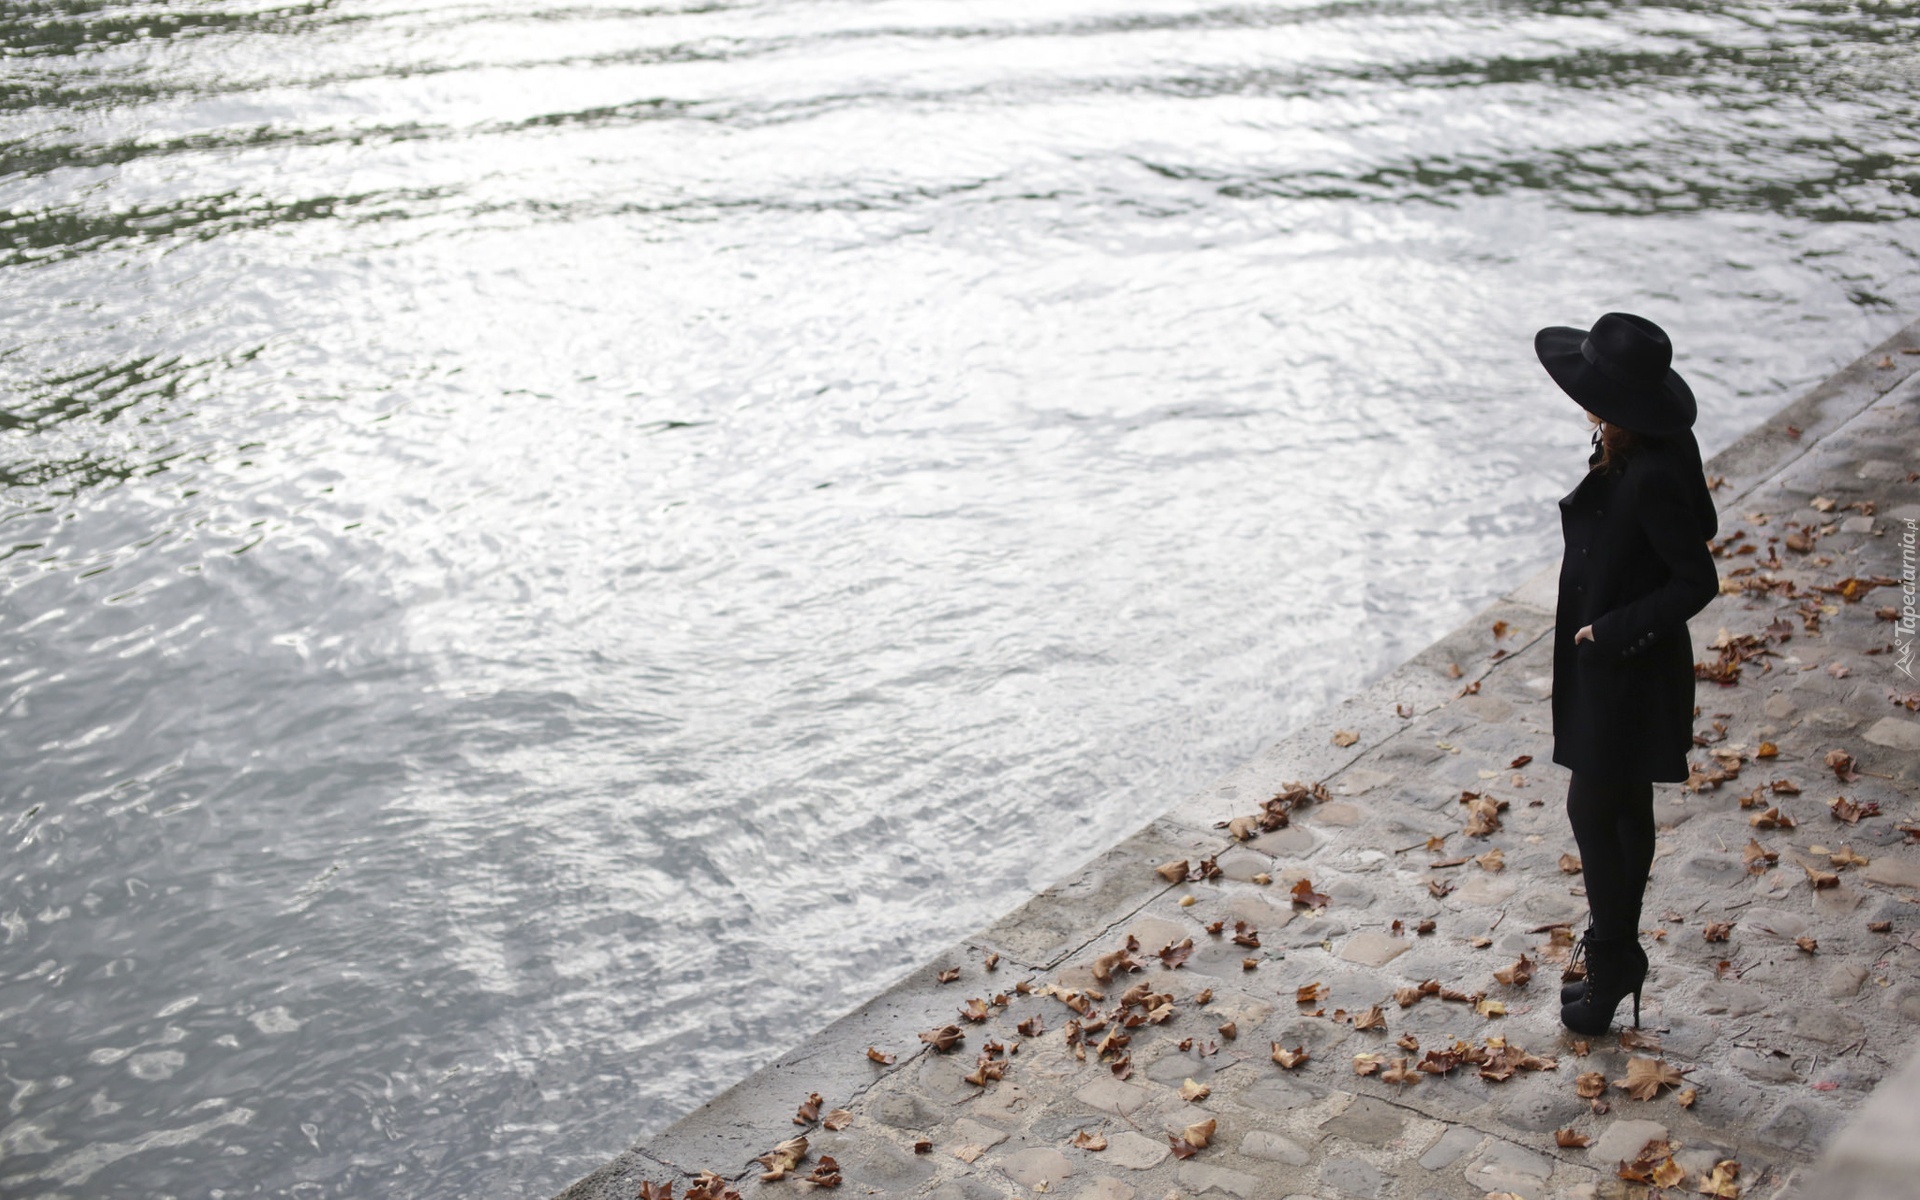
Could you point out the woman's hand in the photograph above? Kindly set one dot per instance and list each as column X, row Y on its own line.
column 1585, row 635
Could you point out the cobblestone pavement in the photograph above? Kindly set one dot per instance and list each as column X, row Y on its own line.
column 1783, row 923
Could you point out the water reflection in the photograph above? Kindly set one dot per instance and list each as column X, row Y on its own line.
column 545, row 554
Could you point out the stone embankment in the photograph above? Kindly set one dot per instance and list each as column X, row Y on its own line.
column 1350, row 989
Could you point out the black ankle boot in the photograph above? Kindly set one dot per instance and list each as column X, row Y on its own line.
column 1615, row 967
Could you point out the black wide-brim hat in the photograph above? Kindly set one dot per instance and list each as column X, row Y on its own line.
column 1620, row 371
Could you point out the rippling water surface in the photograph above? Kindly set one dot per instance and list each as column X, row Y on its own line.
column 545, row 552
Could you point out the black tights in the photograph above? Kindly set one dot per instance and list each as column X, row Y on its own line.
column 1613, row 825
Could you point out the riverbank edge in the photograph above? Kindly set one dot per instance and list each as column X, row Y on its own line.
column 1099, row 895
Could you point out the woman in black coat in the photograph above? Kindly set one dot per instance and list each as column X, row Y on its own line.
column 1636, row 567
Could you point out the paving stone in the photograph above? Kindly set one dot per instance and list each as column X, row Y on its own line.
column 1895, row 733
column 1112, row 1095
column 1357, row 780
column 1372, row 948
column 1831, row 719
column 1484, row 890
column 966, row 1129
column 1352, row 1177
column 1827, row 1025
column 1035, row 1166
column 1205, row 1177
column 1292, row 842
column 1134, row 1151
column 1105, row 1187
column 903, row 1110
column 1505, row 1167
column 1768, row 1068
column 1779, row 706
column 1621, row 1141
column 1845, row 979
column 1268, row 1146
column 1366, row 1120
column 1891, row 871
column 883, row 1164
column 1452, row 1146
column 1733, row 999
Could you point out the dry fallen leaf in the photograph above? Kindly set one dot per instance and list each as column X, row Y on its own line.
column 710, row 1186
column 1646, row 1076
column 1569, row 864
column 950, row 974
column 1192, row 1139
column 1843, row 765
column 1490, row 1008
column 1589, row 1085
column 1310, row 993
column 1808, row 944
column 1345, row 737
column 809, row 1110
column 1717, row 931
column 1493, row 860
column 1879, row 926
column 1845, row 857
column 1567, row 1139
column 1172, row 872
column 944, row 1038
column 1191, row 1091
column 1821, row 880
column 1290, row 1059
column 837, row 1120
column 1721, row 1181
column 1230, row 1030
column 1685, row 1097
column 923, row 1146
column 1367, row 1064
column 1516, row 975
column 1304, row 894
column 966, row 1152
column 1767, row 750
column 826, row 1173
column 782, row 1159
column 1373, row 1018
column 1085, row 1140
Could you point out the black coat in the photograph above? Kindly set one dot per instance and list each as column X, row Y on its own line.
column 1636, row 567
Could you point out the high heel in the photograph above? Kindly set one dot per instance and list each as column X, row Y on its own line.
column 1616, row 968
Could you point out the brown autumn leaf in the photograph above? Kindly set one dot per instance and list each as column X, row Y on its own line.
column 826, row 1173
column 710, row 1186
column 949, row 975
column 1771, row 818
column 1784, row 787
column 1567, row 1139
column 975, row 1010
column 1479, row 942
column 1569, row 864
column 944, row 1038
column 1646, row 1076
column 1758, row 858
column 1192, row 1139
column 923, row 1146
column 1717, row 931
column 1192, row 1091
column 1373, row 1018
column 1032, row 1027
column 1089, row 1140
column 1345, row 737
column 1310, row 993
column 1172, row 955
column 1767, row 750
column 1843, row 766
column 1516, row 975
column 966, row 1152
column 1720, row 1182
column 1821, row 880
column 1303, row 894
column 1519, row 762
column 809, row 1110
column 1810, row 945
column 1425, row 927
column 1879, row 926
column 1400, row 1073
column 1685, row 1097
column 837, row 1120
column 1439, row 1062
column 1845, row 857
column 1368, row 1064
column 1407, row 997
column 1246, row 935
column 1490, row 1008
column 782, row 1159
column 1493, row 860
column 1589, row 1085
column 655, row 1191
column 1118, row 960
column 1172, row 872
column 1203, row 996
column 1439, row 887
column 1634, row 1039
column 1289, row 1059
column 1230, row 1030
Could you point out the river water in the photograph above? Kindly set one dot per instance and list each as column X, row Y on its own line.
column 547, row 551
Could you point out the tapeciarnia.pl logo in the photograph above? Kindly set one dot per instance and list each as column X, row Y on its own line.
column 1903, row 628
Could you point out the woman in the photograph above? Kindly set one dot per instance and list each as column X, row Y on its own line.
column 1636, row 568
